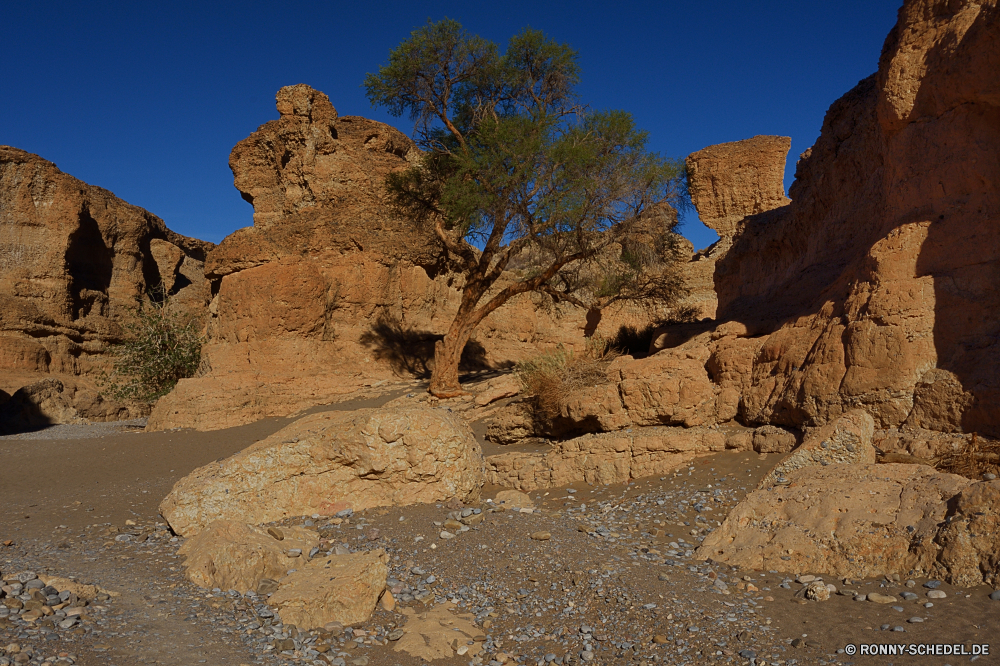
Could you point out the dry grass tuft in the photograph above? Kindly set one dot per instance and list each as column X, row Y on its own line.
column 550, row 376
column 980, row 456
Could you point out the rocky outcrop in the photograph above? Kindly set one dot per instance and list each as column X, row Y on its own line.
column 329, row 290
column 74, row 261
column 730, row 181
column 604, row 458
column 865, row 521
column 873, row 287
column 232, row 555
column 330, row 461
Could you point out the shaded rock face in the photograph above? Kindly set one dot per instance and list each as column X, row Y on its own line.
column 331, row 461
column 875, row 287
column 866, row 521
column 74, row 259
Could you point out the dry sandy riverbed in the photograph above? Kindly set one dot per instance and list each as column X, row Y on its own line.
column 615, row 572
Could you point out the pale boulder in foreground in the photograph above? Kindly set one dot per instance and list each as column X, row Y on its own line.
column 333, row 460
column 335, row 588
column 864, row 521
column 232, row 555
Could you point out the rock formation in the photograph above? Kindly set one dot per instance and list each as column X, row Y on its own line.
column 330, row 461
column 875, row 287
column 232, row 555
column 866, row 521
column 328, row 290
column 74, row 259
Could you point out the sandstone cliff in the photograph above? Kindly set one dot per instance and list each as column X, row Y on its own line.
column 875, row 286
column 328, row 291
column 74, row 259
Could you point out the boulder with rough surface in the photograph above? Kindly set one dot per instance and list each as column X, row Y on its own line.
column 847, row 520
column 330, row 461
column 232, row 555
column 333, row 588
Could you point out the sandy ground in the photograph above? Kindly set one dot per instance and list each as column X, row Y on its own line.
column 65, row 502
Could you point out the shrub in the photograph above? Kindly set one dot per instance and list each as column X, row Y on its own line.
column 549, row 376
column 158, row 349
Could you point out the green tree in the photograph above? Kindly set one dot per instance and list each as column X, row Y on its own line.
column 514, row 164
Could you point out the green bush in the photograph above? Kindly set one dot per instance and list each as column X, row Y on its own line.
column 158, row 349
column 549, row 376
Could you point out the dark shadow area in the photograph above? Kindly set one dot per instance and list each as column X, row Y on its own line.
column 90, row 264
column 633, row 341
column 22, row 411
column 962, row 248
column 411, row 352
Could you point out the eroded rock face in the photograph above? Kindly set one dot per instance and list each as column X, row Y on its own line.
column 330, row 461
column 233, row 555
column 328, row 289
column 730, row 181
column 74, row 259
column 875, row 287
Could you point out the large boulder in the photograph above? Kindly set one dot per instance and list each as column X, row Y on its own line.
column 847, row 520
column 333, row 588
column 74, row 261
column 329, row 461
column 232, row 555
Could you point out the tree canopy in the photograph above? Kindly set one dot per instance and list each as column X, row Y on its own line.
column 514, row 163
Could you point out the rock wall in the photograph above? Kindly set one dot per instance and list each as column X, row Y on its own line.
column 875, row 286
column 74, row 259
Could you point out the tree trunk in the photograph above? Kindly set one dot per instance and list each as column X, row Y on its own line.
column 447, row 356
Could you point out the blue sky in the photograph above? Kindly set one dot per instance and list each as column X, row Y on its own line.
column 147, row 99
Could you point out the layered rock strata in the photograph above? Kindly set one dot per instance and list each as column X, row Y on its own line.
column 74, row 261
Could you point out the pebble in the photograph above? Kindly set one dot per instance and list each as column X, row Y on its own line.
column 541, row 536
column 932, row 584
column 445, row 534
column 909, row 596
column 995, row 595
column 936, row 594
column 915, row 620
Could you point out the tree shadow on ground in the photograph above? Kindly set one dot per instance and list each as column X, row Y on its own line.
column 411, row 352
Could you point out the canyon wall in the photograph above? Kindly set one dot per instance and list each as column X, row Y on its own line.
column 74, row 261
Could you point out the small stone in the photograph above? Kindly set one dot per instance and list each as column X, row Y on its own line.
column 541, row 536
column 817, row 590
column 805, row 579
column 899, row 628
column 995, row 595
column 881, row 598
column 932, row 584
column 68, row 622
column 659, row 639
column 395, row 634
column 267, row 586
column 663, row 576
column 898, row 609
column 335, row 628
column 276, row 533
column 909, row 596
column 445, row 534
column 915, row 620
column 936, row 594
